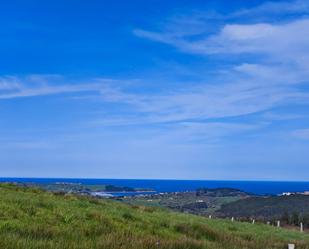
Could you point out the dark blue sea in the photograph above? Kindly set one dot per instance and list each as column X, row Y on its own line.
column 255, row 187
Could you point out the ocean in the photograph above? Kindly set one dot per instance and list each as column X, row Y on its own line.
column 255, row 187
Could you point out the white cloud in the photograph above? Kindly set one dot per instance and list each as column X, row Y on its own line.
column 8, row 83
column 38, row 85
column 273, row 79
column 289, row 41
column 204, row 101
column 285, row 43
column 276, row 8
column 280, row 52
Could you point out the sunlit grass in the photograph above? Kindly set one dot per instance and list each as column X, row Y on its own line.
column 31, row 218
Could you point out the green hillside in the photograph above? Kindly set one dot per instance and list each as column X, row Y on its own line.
column 31, row 218
column 268, row 207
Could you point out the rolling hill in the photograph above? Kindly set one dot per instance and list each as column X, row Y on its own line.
column 32, row 218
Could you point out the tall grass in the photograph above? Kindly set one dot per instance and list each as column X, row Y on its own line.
column 30, row 218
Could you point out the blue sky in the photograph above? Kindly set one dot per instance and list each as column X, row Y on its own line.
column 156, row 89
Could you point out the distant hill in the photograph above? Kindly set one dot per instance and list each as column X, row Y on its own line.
column 221, row 192
column 267, row 207
column 32, row 219
column 79, row 188
column 203, row 201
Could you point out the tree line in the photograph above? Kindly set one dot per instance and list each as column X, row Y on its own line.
column 295, row 219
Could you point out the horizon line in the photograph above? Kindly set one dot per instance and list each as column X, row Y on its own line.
column 151, row 179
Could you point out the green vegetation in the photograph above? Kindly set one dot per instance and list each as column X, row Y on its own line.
column 78, row 187
column 295, row 218
column 290, row 209
column 32, row 218
column 204, row 201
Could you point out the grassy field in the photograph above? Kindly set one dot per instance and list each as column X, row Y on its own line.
column 31, row 218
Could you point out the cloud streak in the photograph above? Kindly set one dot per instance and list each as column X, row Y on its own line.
column 281, row 8
column 40, row 85
column 288, row 41
column 205, row 102
column 272, row 73
column 270, row 61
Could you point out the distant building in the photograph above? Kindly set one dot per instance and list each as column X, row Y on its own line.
column 294, row 193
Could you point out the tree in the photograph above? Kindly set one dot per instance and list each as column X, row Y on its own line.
column 295, row 219
column 306, row 220
column 285, row 218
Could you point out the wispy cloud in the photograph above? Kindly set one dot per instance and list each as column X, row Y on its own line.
column 272, row 8
column 285, row 42
column 38, row 85
column 288, row 41
column 205, row 102
column 200, row 102
column 269, row 70
column 270, row 61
